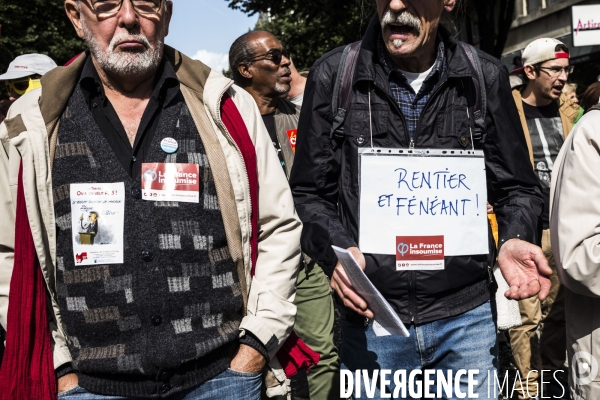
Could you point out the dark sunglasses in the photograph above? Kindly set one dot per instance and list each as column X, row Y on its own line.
column 274, row 55
column 22, row 86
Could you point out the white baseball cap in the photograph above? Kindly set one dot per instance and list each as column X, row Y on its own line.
column 541, row 50
column 28, row 64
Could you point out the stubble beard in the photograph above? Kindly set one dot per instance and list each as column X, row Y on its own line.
column 282, row 89
column 125, row 63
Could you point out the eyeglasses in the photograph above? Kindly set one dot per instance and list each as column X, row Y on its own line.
column 556, row 71
column 108, row 8
column 22, row 86
column 274, row 55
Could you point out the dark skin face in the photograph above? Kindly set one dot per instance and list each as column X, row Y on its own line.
column 417, row 52
column 265, row 80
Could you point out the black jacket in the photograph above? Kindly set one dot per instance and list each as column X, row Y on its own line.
column 324, row 178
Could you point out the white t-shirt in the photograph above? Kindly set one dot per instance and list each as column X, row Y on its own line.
column 416, row 79
column 298, row 99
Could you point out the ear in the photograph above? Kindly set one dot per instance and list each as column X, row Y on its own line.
column 530, row 72
column 168, row 15
column 74, row 15
column 244, row 70
column 449, row 5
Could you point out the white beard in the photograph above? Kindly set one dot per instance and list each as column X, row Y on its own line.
column 397, row 43
column 124, row 63
column 281, row 89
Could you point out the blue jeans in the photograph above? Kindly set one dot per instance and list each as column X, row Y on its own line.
column 466, row 341
column 229, row 384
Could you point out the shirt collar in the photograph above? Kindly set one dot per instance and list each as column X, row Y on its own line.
column 389, row 68
column 165, row 81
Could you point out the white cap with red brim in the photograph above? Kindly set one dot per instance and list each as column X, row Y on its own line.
column 26, row 65
column 541, row 50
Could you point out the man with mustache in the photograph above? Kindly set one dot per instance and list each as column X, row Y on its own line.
column 202, row 296
column 415, row 87
column 261, row 66
column 547, row 117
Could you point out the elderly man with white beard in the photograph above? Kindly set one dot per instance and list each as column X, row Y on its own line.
column 410, row 88
column 187, row 291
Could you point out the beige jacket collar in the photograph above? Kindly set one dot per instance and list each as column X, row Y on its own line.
column 568, row 114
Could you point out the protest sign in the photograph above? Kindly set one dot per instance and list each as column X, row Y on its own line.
column 423, row 193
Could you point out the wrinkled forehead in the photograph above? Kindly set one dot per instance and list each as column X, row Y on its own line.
column 262, row 42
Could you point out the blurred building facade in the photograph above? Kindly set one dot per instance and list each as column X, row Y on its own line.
column 551, row 18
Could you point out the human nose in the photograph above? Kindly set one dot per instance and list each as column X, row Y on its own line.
column 397, row 5
column 563, row 75
column 127, row 14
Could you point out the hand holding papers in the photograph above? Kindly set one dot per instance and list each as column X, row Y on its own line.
column 343, row 287
column 386, row 319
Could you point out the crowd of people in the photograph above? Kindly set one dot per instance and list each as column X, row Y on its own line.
column 168, row 232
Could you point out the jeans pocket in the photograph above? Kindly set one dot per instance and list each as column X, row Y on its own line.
column 69, row 392
column 244, row 374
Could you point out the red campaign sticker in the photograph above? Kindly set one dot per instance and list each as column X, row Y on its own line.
column 419, row 252
column 292, row 136
column 171, row 182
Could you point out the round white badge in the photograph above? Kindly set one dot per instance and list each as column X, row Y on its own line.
column 169, row 145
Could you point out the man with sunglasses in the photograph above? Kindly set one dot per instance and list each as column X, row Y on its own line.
column 23, row 75
column 261, row 65
column 547, row 116
column 188, row 293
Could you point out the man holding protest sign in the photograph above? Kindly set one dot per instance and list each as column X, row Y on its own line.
column 424, row 141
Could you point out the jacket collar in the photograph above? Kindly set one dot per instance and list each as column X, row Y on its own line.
column 458, row 64
column 61, row 81
column 285, row 107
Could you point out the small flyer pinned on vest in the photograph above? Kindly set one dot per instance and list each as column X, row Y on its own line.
column 171, row 182
column 97, row 221
column 419, row 253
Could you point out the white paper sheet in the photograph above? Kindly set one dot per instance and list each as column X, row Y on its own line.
column 97, row 220
column 386, row 318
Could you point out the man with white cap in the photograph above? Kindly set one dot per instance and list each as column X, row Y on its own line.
column 23, row 75
column 547, row 117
